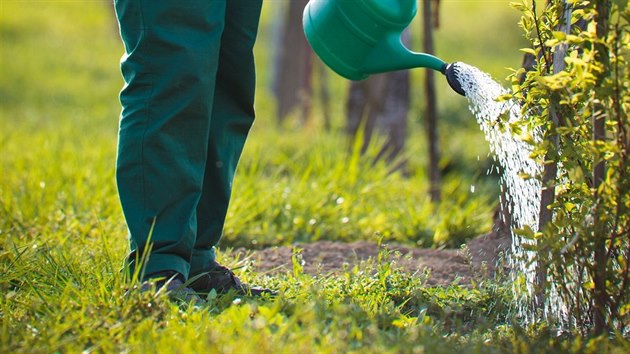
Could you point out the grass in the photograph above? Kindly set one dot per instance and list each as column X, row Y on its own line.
column 313, row 192
column 62, row 235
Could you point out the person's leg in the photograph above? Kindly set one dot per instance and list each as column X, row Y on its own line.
column 232, row 118
column 172, row 50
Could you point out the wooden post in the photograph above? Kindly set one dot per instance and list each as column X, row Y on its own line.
column 430, row 112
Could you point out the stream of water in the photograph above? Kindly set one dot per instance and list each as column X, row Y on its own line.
column 522, row 194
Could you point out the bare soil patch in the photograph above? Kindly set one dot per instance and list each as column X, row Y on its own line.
column 477, row 259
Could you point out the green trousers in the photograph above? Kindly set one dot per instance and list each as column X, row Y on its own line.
column 187, row 107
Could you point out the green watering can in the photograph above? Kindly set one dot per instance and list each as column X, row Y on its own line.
column 357, row 38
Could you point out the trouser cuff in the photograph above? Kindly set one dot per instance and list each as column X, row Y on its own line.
column 201, row 260
column 158, row 263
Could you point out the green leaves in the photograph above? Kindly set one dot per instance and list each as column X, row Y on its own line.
column 589, row 88
column 621, row 4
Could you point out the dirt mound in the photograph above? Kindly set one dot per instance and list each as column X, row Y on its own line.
column 477, row 259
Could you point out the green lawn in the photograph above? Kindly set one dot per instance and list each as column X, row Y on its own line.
column 62, row 236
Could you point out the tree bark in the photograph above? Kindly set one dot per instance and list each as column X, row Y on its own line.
column 599, row 173
column 550, row 170
column 324, row 94
column 293, row 77
column 364, row 101
column 380, row 103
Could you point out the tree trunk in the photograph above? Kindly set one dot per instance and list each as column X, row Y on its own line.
column 550, row 170
column 599, row 173
column 381, row 103
column 365, row 101
column 324, row 94
column 393, row 116
column 293, row 77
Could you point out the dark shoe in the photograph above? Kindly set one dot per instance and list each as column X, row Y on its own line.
column 175, row 288
column 222, row 280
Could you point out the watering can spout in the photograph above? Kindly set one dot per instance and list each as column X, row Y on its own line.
column 390, row 54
